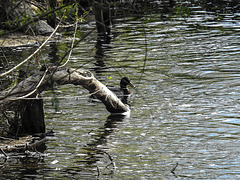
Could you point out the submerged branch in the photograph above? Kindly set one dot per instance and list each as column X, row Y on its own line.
column 19, row 145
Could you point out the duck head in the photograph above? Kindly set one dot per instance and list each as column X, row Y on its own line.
column 125, row 81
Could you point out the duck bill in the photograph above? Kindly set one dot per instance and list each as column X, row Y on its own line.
column 130, row 84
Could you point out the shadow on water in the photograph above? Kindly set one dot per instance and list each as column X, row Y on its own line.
column 53, row 50
column 109, row 127
column 95, row 160
column 99, row 57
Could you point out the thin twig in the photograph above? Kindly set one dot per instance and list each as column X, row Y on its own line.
column 109, row 156
column 74, row 37
column 172, row 171
column 8, row 119
column 29, row 94
column 1, row 150
column 87, row 34
column 35, row 52
column 98, row 172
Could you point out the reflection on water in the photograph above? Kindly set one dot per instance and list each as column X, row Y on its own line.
column 185, row 109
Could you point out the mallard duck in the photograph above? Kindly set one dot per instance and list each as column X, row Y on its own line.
column 121, row 92
column 123, row 89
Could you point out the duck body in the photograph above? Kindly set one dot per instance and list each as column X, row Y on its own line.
column 123, row 89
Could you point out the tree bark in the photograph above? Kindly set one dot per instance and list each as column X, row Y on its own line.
column 32, row 116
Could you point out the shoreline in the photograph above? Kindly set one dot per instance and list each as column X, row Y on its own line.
column 22, row 40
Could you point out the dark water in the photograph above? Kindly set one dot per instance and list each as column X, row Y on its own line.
column 185, row 108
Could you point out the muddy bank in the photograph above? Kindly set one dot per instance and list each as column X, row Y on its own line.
column 19, row 40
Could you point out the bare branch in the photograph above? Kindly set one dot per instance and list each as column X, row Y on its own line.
column 39, row 83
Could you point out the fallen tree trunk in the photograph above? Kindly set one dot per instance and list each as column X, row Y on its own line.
column 35, row 84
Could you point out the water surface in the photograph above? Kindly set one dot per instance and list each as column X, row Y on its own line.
column 185, row 108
